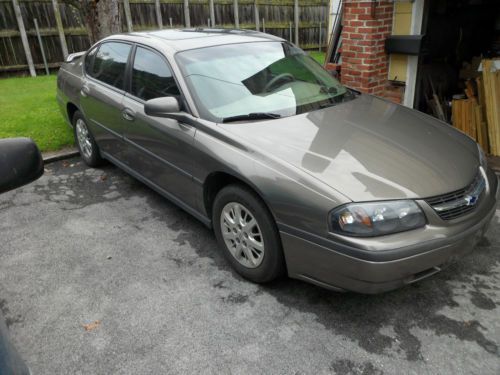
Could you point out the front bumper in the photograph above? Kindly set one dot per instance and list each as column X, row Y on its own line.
column 368, row 267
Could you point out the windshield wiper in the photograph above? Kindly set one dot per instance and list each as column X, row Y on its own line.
column 252, row 116
column 328, row 90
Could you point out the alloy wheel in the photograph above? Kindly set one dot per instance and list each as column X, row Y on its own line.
column 83, row 137
column 242, row 235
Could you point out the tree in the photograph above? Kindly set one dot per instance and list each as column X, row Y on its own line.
column 102, row 17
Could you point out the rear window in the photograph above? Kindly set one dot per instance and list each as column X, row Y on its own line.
column 110, row 63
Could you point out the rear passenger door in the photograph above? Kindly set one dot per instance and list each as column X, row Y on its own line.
column 102, row 94
column 159, row 149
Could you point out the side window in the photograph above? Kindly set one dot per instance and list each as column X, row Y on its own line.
column 151, row 76
column 89, row 59
column 110, row 62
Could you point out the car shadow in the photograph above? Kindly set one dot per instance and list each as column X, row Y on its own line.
column 362, row 318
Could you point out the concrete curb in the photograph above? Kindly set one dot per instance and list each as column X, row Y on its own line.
column 65, row 154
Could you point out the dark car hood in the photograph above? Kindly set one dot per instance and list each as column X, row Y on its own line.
column 368, row 149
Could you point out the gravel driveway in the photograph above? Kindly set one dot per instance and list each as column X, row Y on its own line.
column 100, row 275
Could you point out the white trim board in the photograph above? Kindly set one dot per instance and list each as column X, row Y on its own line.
column 412, row 66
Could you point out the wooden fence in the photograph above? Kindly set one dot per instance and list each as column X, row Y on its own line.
column 62, row 27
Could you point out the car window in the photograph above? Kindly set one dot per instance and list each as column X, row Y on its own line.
column 110, row 62
column 89, row 59
column 151, row 76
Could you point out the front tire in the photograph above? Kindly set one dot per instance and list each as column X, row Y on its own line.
column 89, row 151
column 246, row 231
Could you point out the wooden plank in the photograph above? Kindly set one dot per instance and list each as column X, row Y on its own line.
column 473, row 119
column 463, row 121
column 439, row 108
column 495, row 109
column 492, row 99
column 44, row 32
column 16, row 68
column 458, row 120
column 480, row 127
column 128, row 15
column 24, row 38
column 212, row 13
column 303, row 3
column 469, row 89
column 236, row 15
column 41, row 47
column 159, row 19
column 256, row 14
column 60, row 28
column 296, row 19
column 460, row 113
column 187, row 19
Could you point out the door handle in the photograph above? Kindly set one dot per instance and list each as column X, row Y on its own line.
column 85, row 91
column 128, row 115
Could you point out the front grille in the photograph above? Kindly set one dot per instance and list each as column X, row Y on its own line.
column 458, row 203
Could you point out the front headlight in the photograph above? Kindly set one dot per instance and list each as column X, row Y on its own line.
column 483, row 161
column 376, row 218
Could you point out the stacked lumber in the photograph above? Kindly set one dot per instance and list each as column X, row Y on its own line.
column 468, row 117
column 491, row 83
column 477, row 114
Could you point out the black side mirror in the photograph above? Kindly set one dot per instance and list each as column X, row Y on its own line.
column 168, row 107
column 162, row 107
column 20, row 163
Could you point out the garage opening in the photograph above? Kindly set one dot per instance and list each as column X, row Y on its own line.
column 460, row 35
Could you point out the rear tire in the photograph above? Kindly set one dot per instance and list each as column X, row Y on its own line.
column 89, row 151
column 246, row 231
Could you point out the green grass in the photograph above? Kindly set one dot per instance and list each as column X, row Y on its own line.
column 318, row 56
column 28, row 108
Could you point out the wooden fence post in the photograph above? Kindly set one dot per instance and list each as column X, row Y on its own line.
column 158, row 14
column 296, row 17
column 60, row 28
column 128, row 15
column 24, row 37
column 319, row 41
column 236, row 15
column 187, row 20
column 41, row 46
column 256, row 13
column 212, row 12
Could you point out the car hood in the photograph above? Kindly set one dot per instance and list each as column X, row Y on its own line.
column 369, row 149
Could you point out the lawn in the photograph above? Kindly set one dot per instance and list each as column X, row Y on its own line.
column 318, row 56
column 28, row 108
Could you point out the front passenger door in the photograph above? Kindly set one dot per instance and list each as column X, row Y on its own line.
column 159, row 149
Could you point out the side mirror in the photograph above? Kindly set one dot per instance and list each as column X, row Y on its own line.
column 162, row 107
column 20, row 163
column 334, row 73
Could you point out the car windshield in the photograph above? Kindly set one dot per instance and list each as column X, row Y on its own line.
column 257, row 80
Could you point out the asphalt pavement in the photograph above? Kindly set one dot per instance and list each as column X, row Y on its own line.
column 101, row 275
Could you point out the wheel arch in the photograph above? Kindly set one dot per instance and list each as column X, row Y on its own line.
column 71, row 108
column 218, row 180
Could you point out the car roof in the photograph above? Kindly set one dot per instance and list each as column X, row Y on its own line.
column 184, row 39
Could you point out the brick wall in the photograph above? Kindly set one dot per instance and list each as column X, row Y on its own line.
column 364, row 62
